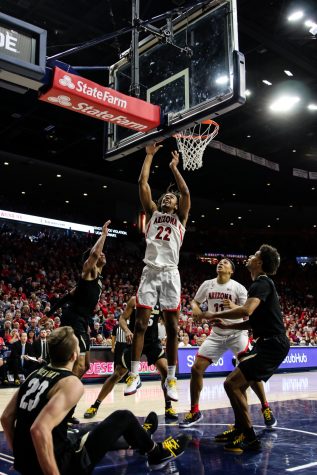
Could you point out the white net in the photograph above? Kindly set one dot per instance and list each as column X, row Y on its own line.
column 191, row 143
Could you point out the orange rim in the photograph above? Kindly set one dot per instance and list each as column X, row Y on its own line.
column 198, row 137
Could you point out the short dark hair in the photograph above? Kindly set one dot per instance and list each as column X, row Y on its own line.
column 61, row 345
column 270, row 259
column 168, row 190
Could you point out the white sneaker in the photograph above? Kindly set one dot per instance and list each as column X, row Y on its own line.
column 171, row 391
column 133, row 384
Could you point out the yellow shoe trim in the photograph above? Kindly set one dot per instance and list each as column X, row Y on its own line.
column 170, row 444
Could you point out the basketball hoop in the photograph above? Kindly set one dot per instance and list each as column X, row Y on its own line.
column 191, row 142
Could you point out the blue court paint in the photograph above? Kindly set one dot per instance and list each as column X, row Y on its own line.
column 290, row 447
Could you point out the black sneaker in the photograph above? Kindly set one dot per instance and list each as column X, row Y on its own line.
column 151, row 423
column 91, row 412
column 166, row 451
column 73, row 421
column 227, row 435
column 170, row 414
column 241, row 444
column 190, row 419
column 269, row 419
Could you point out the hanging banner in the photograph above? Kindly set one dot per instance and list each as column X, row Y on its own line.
column 78, row 94
column 300, row 173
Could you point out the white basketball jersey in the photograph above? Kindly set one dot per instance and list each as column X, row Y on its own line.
column 164, row 237
column 215, row 293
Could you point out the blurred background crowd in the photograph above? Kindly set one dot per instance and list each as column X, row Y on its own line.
column 40, row 265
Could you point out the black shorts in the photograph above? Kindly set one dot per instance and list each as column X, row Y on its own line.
column 84, row 341
column 118, row 352
column 152, row 351
column 264, row 358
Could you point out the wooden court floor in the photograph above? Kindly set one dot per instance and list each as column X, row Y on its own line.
column 290, row 447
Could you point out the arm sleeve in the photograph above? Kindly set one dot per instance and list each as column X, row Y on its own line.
column 260, row 289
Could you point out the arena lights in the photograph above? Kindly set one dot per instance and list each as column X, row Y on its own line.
column 55, row 223
column 312, row 25
column 284, row 103
column 288, row 73
column 268, row 83
column 222, row 80
column 295, row 16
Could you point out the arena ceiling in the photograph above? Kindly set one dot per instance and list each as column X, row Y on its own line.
column 39, row 141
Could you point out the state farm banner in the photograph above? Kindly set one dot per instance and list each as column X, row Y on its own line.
column 89, row 98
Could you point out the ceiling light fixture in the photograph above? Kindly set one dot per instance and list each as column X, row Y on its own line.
column 247, row 92
column 309, row 23
column 288, row 73
column 85, row 194
column 222, row 80
column 312, row 107
column 268, row 83
column 295, row 16
column 67, row 201
column 59, row 176
column 23, row 192
column 284, row 103
column 5, row 163
column 105, row 186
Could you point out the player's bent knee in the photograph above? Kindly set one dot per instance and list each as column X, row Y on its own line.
column 140, row 326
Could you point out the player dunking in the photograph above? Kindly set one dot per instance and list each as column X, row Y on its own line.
column 221, row 293
column 152, row 350
column 160, row 278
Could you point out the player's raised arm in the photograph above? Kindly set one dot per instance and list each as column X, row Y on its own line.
column 96, row 250
column 144, row 188
column 184, row 200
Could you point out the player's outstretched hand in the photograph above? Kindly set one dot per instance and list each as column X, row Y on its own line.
column 152, row 149
column 105, row 227
column 175, row 159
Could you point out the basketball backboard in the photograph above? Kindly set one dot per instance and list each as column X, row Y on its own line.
column 204, row 84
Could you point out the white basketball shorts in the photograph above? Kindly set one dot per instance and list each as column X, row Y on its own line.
column 216, row 345
column 163, row 286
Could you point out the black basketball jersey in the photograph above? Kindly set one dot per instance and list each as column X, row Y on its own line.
column 151, row 334
column 32, row 397
column 83, row 303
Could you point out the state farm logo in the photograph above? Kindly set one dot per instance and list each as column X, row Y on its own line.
column 62, row 100
column 67, row 82
column 93, row 91
column 90, row 110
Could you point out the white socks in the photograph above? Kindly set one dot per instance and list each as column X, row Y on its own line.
column 135, row 367
column 171, row 371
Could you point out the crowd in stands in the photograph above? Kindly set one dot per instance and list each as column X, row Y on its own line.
column 38, row 268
